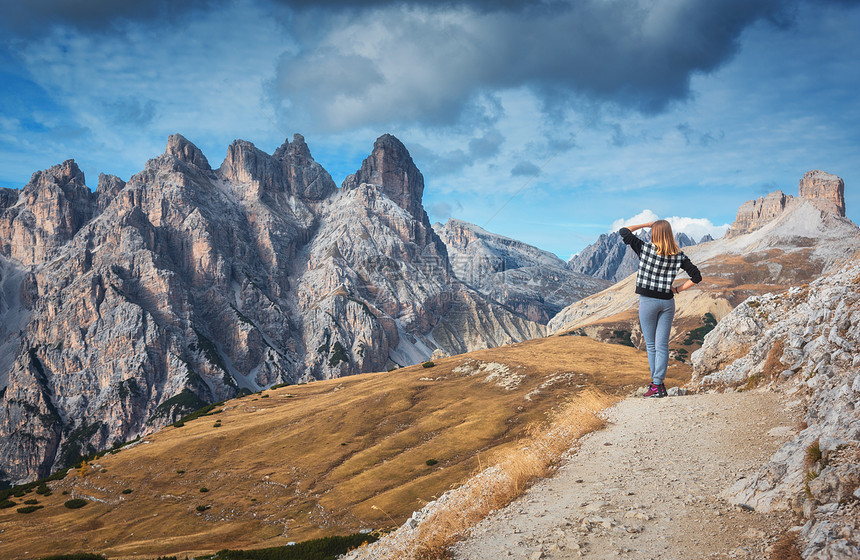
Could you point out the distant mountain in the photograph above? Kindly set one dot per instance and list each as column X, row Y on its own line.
column 126, row 307
column 610, row 259
column 805, row 238
column 532, row 282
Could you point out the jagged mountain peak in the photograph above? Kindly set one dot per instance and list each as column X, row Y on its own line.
column 59, row 175
column 298, row 148
column 182, row 149
column 290, row 170
column 391, row 167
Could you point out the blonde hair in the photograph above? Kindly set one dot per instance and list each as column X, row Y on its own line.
column 663, row 239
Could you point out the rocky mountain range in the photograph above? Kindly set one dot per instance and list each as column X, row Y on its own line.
column 532, row 282
column 610, row 259
column 123, row 308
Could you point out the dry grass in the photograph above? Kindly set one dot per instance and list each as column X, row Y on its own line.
column 772, row 365
column 497, row 486
column 314, row 460
column 785, row 549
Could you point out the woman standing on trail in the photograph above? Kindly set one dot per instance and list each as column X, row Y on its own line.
column 659, row 262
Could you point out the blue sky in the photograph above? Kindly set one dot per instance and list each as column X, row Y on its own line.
column 544, row 121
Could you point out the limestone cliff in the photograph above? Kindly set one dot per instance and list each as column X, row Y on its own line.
column 825, row 191
column 124, row 308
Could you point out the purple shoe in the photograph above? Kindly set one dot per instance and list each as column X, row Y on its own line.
column 655, row 391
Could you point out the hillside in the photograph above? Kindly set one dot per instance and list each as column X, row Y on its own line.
column 328, row 457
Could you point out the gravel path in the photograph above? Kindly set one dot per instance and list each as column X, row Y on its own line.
column 648, row 486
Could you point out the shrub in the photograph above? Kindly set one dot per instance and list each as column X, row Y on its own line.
column 266, row 396
column 178, row 424
column 431, row 462
column 180, row 472
column 204, row 489
column 7, row 504
column 127, row 491
column 279, row 385
column 43, row 490
column 623, row 338
column 75, row 503
column 202, row 508
column 338, row 355
column 427, row 364
column 31, row 502
column 29, row 509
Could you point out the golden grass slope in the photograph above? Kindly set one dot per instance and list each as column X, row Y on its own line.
column 329, row 457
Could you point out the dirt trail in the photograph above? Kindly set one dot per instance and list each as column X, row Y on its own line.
column 648, row 486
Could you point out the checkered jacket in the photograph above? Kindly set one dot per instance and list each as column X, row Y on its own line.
column 657, row 272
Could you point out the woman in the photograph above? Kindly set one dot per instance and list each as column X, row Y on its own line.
column 659, row 262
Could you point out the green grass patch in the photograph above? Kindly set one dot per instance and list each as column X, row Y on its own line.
column 326, row 548
column 697, row 336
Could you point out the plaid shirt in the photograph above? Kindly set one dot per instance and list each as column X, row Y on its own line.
column 657, row 272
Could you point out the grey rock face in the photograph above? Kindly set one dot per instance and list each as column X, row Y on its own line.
column 125, row 308
column 804, row 342
column 533, row 282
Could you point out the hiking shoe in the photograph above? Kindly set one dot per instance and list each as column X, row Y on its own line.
column 655, row 391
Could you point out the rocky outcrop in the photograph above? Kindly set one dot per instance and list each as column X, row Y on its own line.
column 50, row 209
column 125, row 308
column 825, row 190
column 753, row 214
column 533, row 282
column 804, row 342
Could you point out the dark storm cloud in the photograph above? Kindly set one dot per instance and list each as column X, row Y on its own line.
column 33, row 16
column 30, row 16
column 425, row 65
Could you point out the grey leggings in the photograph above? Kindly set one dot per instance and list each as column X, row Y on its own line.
column 655, row 318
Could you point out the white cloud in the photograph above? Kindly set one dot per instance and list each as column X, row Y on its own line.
column 642, row 217
column 695, row 228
